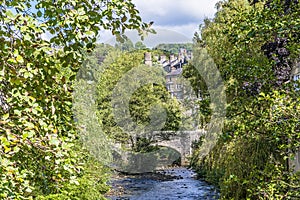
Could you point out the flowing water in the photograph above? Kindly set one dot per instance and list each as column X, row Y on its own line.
column 179, row 183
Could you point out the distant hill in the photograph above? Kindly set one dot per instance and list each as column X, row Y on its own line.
column 174, row 48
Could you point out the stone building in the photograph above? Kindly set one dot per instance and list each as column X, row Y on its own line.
column 148, row 58
column 174, row 68
column 173, row 84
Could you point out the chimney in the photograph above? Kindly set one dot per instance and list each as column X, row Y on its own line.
column 148, row 59
column 163, row 58
column 181, row 58
column 172, row 58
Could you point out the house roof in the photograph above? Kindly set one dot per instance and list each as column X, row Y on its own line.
column 175, row 72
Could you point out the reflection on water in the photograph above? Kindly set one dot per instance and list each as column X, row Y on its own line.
column 179, row 183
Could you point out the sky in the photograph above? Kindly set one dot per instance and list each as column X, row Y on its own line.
column 176, row 18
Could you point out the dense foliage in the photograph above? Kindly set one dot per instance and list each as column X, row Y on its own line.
column 256, row 47
column 41, row 48
column 174, row 48
column 141, row 102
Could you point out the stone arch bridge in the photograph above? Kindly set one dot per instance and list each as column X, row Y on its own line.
column 131, row 162
column 181, row 141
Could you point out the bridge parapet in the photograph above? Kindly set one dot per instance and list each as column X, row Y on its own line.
column 181, row 141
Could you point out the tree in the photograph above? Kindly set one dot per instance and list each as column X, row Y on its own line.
column 125, row 45
column 37, row 132
column 139, row 45
column 254, row 47
column 200, row 88
column 174, row 48
column 132, row 103
column 139, row 103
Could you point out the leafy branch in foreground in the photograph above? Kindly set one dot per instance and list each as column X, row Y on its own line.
column 42, row 45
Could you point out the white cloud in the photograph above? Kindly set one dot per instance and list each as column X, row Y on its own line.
column 199, row 9
column 181, row 16
column 161, row 11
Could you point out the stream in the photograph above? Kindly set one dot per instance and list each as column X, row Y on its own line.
column 170, row 184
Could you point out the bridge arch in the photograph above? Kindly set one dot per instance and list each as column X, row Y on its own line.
column 181, row 141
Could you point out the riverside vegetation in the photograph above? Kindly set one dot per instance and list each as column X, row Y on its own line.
column 255, row 45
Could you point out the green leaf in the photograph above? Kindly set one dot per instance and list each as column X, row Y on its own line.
column 39, row 13
column 20, row 59
column 27, row 74
column 54, row 141
column 124, row 19
column 9, row 13
column 5, row 116
column 17, row 112
column 90, row 33
column 72, row 78
column 12, row 61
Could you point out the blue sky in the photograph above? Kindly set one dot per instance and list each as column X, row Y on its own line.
column 180, row 16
